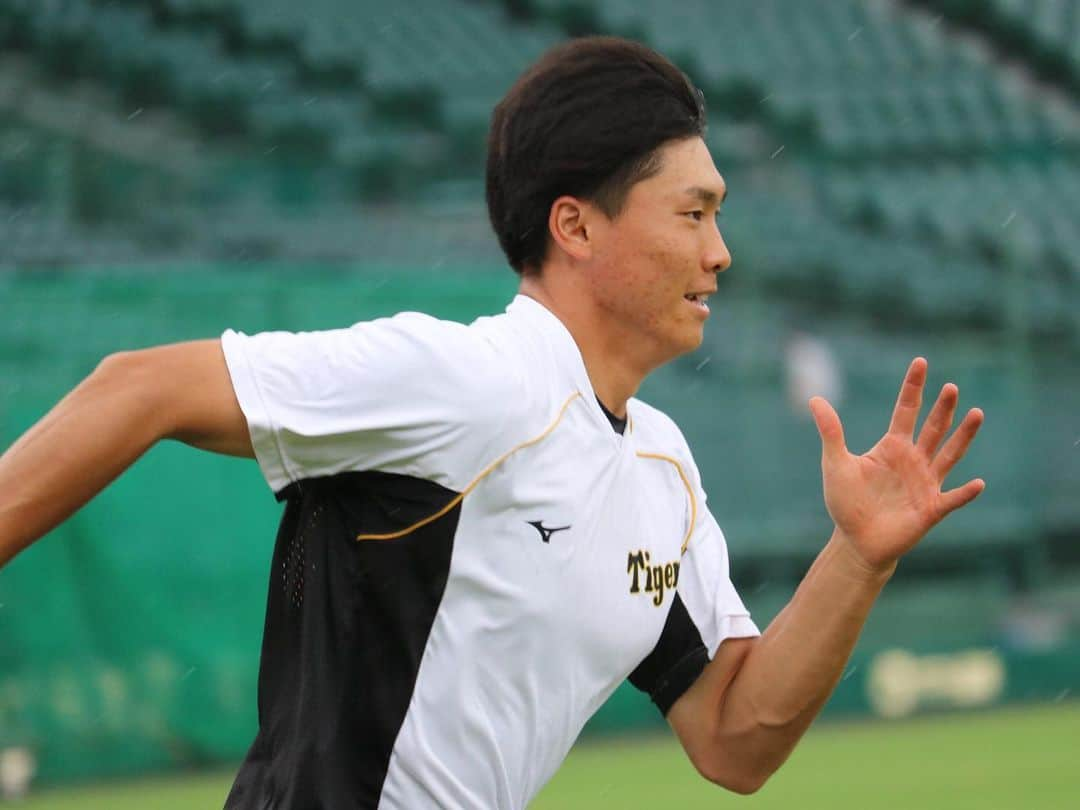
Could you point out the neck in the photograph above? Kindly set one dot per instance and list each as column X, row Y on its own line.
column 605, row 349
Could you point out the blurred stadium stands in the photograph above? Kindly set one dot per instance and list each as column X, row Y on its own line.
column 881, row 141
column 904, row 176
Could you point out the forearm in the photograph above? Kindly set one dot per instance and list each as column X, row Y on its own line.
column 790, row 672
column 795, row 665
column 83, row 443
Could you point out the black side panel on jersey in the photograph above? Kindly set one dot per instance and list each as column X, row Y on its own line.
column 676, row 661
column 346, row 625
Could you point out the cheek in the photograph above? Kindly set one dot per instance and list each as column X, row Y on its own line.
column 643, row 279
column 668, row 267
column 655, row 285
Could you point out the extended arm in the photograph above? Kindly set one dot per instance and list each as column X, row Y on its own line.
column 131, row 401
column 753, row 702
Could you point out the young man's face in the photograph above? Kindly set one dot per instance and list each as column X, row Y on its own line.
column 662, row 247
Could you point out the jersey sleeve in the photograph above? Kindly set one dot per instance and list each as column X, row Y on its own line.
column 411, row 395
column 705, row 612
column 705, row 585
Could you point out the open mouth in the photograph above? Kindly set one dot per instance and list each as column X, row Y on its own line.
column 698, row 299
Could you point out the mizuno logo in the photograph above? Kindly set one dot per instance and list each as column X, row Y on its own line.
column 545, row 532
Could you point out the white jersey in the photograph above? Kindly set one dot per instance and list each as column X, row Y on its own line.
column 471, row 562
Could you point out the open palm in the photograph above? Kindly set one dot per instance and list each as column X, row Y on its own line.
column 887, row 499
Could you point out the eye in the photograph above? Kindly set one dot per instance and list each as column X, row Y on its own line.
column 697, row 216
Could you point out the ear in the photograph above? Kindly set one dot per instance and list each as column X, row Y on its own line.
column 570, row 228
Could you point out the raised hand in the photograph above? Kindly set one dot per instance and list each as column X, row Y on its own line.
column 887, row 499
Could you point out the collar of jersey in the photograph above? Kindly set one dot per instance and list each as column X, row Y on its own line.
column 556, row 333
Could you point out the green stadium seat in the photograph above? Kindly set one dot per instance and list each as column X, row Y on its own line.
column 832, row 65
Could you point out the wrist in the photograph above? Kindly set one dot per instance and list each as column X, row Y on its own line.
column 856, row 562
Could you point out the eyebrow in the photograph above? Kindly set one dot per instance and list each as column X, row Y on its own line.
column 706, row 195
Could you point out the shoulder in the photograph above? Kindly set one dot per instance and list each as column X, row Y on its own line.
column 473, row 364
column 423, row 340
column 410, row 394
column 654, row 428
column 408, row 358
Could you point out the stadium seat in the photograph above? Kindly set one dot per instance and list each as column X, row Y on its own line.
column 831, row 64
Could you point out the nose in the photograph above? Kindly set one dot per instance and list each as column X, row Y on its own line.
column 716, row 258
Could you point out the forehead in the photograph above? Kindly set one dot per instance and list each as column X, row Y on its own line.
column 687, row 169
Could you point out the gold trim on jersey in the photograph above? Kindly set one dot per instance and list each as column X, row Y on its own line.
column 472, row 485
column 689, row 491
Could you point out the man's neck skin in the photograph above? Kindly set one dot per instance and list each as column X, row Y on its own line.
column 606, row 349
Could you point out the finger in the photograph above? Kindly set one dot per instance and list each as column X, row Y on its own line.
column 961, row 496
column 828, row 427
column 954, row 449
column 909, row 401
column 937, row 423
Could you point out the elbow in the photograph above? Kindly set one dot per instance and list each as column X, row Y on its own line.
column 741, row 764
column 115, row 366
column 744, row 781
column 138, row 368
column 748, row 785
column 128, row 372
column 136, row 378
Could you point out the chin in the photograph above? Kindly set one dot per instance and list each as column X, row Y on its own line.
column 694, row 338
column 684, row 344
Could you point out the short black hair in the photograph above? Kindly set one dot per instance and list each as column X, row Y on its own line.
column 587, row 119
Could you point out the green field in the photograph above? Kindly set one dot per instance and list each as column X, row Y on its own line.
column 1023, row 758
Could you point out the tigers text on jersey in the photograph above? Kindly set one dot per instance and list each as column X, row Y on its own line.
column 470, row 561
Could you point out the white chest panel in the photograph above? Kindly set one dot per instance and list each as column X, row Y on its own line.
column 533, row 636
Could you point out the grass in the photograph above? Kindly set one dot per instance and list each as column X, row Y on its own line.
column 1011, row 758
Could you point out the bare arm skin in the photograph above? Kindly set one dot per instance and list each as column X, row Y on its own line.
column 752, row 704
column 131, row 401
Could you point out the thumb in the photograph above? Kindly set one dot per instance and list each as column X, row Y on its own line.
column 829, row 428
